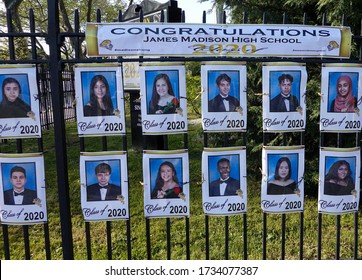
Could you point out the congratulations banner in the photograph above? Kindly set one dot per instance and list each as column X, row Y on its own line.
column 114, row 39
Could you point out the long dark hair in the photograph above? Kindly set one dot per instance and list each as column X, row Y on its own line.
column 159, row 180
column 333, row 172
column 155, row 97
column 279, row 162
column 9, row 81
column 106, row 98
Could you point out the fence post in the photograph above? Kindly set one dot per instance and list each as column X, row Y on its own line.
column 59, row 128
column 174, row 13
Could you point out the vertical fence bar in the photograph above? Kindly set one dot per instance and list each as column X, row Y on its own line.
column 168, row 238
column 19, row 143
column 59, row 129
column 109, row 239
column 207, row 238
column 26, row 242
column 47, row 241
column 148, row 238
column 11, row 50
column 226, row 237
column 6, row 241
column 319, row 248
column 88, row 240
column 264, row 234
column 283, row 235
column 187, row 226
column 245, row 229
column 301, row 235
column 128, row 221
column 338, row 237
column 355, row 249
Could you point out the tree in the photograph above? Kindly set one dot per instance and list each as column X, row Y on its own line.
column 19, row 11
column 295, row 9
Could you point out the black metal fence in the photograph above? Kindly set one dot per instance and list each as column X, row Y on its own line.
column 46, row 106
column 56, row 87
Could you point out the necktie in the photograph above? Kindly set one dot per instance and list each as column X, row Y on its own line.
column 16, row 194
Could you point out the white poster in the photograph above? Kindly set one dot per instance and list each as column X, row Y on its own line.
column 19, row 102
column 182, row 39
column 284, row 95
column 224, row 189
column 166, row 183
column 163, row 98
column 131, row 75
column 223, row 99
column 22, row 195
column 341, row 98
column 99, row 99
column 282, row 187
column 104, row 186
column 339, row 180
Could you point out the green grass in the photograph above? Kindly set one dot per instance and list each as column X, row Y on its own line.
column 158, row 226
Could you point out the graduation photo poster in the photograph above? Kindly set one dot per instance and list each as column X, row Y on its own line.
column 223, row 97
column 99, row 99
column 104, row 185
column 284, row 96
column 282, row 187
column 166, row 183
column 22, row 189
column 19, row 102
column 341, row 98
column 163, row 98
column 224, row 189
column 339, row 180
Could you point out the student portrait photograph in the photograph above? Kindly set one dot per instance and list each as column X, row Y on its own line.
column 19, row 183
column 166, row 178
column 340, row 173
column 223, row 90
column 224, row 175
column 284, row 91
column 282, row 174
column 15, row 99
column 103, row 180
column 342, row 92
column 99, row 93
column 162, row 91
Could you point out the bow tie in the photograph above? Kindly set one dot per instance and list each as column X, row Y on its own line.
column 105, row 187
column 225, row 98
column 224, row 181
column 16, row 194
column 286, row 97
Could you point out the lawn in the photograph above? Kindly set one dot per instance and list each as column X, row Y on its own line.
column 197, row 231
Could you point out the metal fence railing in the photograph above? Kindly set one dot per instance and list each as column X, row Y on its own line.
column 57, row 106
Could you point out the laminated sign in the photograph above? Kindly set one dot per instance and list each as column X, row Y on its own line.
column 224, row 106
column 19, row 102
column 104, row 185
column 224, row 181
column 341, row 97
column 339, row 180
column 22, row 189
column 200, row 40
column 282, row 187
column 166, row 183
